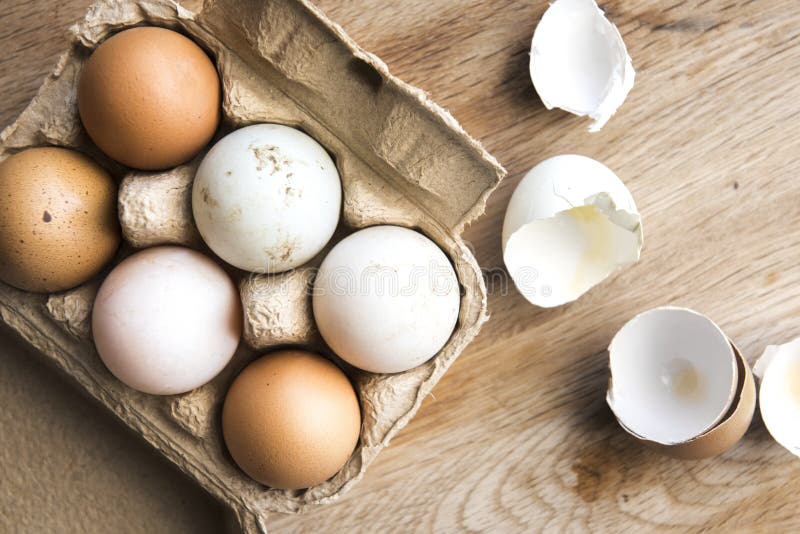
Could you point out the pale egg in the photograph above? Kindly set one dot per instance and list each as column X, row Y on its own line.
column 386, row 299
column 166, row 320
column 267, row 198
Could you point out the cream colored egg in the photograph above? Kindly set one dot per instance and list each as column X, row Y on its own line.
column 386, row 299
column 266, row 198
column 166, row 320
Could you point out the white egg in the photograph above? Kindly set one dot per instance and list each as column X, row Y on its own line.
column 166, row 320
column 779, row 393
column 569, row 224
column 579, row 62
column 266, row 198
column 674, row 375
column 386, row 299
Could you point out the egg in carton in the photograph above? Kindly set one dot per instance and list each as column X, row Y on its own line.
column 403, row 160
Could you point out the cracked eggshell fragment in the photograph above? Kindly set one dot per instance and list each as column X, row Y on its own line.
column 570, row 223
column 778, row 371
column 267, row 198
column 579, row 62
column 679, row 384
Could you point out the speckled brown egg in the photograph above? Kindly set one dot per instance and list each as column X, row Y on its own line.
column 58, row 219
column 291, row 419
column 149, row 98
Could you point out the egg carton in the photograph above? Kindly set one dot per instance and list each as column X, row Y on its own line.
column 403, row 160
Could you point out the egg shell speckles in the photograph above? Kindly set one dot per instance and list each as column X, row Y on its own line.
column 58, row 219
column 166, row 320
column 267, row 198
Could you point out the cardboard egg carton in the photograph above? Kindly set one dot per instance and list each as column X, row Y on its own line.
column 402, row 159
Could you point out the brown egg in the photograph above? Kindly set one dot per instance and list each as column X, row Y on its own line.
column 149, row 98
column 58, row 219
column 291, row 419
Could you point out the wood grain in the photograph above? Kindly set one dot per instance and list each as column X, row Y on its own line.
column 517, row 435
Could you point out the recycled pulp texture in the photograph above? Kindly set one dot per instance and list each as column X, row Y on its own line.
column 402, row 159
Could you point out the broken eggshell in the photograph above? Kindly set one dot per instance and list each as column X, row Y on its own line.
column 579, row 62
column 691, row 396
column 778, row 371
column 570, row 223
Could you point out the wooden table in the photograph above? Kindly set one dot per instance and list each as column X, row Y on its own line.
column 517, row 435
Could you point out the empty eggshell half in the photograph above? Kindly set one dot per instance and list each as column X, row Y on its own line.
column 679, row 384
column 778, row 370
column 570, row 223
column 732, row 427
column 674, row 375
column 579, row 62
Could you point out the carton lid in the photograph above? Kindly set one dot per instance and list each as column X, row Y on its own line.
column 395, row 129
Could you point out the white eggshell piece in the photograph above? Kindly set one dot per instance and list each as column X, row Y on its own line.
column 579, row 62
column 166, row 320
column 673, row 375
column 779, row 393
column 570, row 223
column 266, row 198
column 386, row 299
